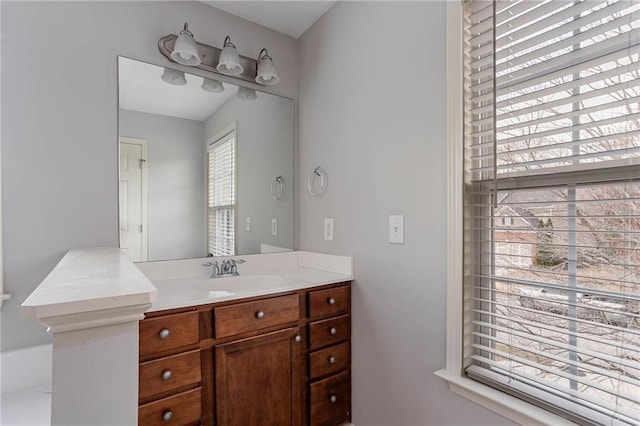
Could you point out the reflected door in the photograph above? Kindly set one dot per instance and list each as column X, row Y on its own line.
column 133, row 198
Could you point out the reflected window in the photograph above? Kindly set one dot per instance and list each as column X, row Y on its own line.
column 221, row 193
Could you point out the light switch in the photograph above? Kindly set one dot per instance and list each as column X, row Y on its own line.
column 396, row 229
column 328, row 229
column 247, row 225
column 274, row 226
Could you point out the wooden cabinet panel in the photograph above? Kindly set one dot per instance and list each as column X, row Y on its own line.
column 178, row 410
column 244, row 317
column 171, row 372
column 276, row 360
column 329, row 331
column 331, row 401
column 168, row 332
column 330, row 302
column 328, row 361
column 258, row 380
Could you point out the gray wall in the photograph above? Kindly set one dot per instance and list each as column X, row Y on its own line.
column 264, row 132
column 175, row 167
column 372, row 112
column 59, row 177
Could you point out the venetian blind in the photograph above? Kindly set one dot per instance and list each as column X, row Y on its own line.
column 222, row 196
column 552, row 129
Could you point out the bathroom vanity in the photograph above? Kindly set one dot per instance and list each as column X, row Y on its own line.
column 282, row 359
column 278, row 358
column 271, row 346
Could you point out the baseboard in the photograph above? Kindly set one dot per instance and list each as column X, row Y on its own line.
column 25, row 368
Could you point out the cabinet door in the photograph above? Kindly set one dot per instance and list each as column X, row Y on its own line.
column 258, row 380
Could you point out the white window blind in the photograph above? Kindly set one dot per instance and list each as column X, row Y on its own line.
column 552, row 140
column 222, row 196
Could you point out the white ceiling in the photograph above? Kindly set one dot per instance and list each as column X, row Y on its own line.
column 287, row 17
column 141, row 89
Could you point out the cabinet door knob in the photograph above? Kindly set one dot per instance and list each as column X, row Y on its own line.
column 331, row 301
column 333, row 399
column 166, row 374
column 164, row 333
column 332, row 359
column 333, row 331
column 297, row 339
column 167, row 415
column 260, row 314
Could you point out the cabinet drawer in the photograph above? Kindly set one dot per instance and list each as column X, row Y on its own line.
column 328, row 332
column 182, row 409
column 330, row 302
column 328, row 361
column 331, row 401
column 171, row 372
column 244, row 317
column 169, row 332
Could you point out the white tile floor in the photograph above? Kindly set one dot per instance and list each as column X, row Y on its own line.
column 31, row 406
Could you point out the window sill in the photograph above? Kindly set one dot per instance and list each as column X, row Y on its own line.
column 506, row 405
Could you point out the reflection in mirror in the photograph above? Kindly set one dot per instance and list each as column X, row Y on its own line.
column 198, row 162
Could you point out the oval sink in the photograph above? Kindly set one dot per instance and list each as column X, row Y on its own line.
column 238, row 283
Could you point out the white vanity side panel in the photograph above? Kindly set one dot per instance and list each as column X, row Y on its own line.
column 93, row 384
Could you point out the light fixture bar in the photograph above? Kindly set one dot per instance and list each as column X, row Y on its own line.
column 209, row 58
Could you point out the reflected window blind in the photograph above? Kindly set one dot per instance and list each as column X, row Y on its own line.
column 552, row 199
column 222, row 196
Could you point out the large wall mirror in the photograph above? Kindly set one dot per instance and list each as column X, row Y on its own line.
column 206, row 168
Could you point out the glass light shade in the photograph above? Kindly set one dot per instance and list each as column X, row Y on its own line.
column 174, row 77
column 229, row 59
column 267, row 74
column 213, row 86
column 246, row 94
column 185, row 51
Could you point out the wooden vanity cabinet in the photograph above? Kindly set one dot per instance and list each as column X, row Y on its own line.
column 273, row 360
column 330, row 356
column 258, row 380
column 170, row 379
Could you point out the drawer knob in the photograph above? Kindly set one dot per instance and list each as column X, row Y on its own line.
column 164, row 333
column 332, row 359
column 333, row 331
column 166, row 374
column 333, row 399
column 260, row 314
column 297, row 339
column 332, row 301
column 167, row 416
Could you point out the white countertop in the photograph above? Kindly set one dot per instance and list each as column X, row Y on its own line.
column 184, row 283
column 102, row 280
column 88, row 280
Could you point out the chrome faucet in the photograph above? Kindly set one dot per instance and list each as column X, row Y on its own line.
column 228, row 268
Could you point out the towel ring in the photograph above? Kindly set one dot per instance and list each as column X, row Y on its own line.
column 320, row 173
column 278, row 183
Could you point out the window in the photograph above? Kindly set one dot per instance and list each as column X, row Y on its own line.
column 552, row 139
column 221, row 158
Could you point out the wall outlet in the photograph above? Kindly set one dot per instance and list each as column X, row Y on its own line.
column 396, row 229
column 328, row 229
column 247, row 226
column 274, row 226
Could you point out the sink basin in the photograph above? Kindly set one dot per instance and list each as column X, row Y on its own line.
column 230, row 285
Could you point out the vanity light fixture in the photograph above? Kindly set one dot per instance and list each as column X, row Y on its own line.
column 213, row 86
column 174, row 77
column 229, row 59
column 267, row 74
column 185, row 51
column 224, row 61
column 246, row 94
